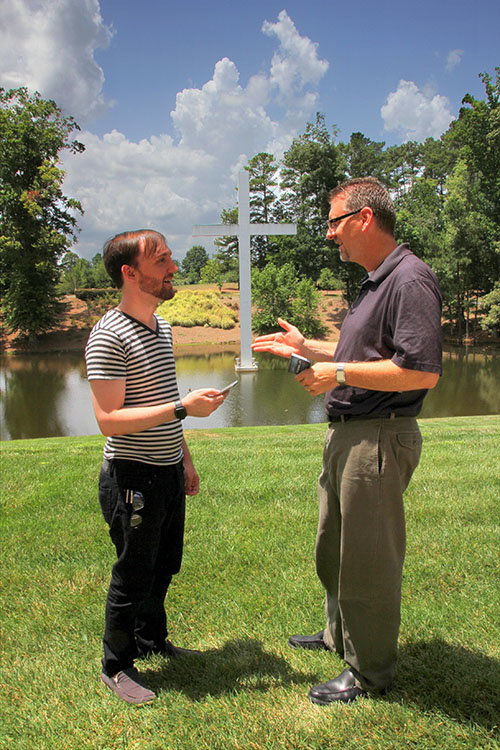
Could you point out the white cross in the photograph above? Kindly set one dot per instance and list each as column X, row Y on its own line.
column 243, row 230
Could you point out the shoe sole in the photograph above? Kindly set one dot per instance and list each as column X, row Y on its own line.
column 313, row 646
column 325, row 702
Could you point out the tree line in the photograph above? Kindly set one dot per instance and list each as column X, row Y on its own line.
column 446, row 191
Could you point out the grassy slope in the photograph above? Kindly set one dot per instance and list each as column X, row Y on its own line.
column 247, row 582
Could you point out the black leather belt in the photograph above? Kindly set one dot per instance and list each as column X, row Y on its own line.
column 348, row 417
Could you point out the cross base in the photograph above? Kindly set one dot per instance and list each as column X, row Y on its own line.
column 246, row 366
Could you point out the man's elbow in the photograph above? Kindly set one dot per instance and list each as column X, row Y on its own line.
column 431, row 380
column 106, row 426
column 105, row 429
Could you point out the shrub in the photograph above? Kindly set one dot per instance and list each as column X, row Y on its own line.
column 305, row 313
column 193, row 307
column 328, row 281
column 277, row 293
column 490, row 304
column 90, row 294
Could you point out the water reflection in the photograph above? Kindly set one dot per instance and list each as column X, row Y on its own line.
column 42, row 395
column 470, row 384
column 48, row 395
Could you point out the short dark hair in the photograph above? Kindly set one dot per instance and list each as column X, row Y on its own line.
column 368, row 191
column 123, row 249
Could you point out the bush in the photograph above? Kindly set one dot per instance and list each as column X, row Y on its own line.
column 277, row 293
column 193, row 307
column 305, row 313
column 90, row 294
column 490, row 304
column 328, row 281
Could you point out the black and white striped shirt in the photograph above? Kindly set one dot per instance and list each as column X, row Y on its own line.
column 122, row 348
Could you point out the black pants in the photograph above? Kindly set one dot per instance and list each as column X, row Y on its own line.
column 149, row 553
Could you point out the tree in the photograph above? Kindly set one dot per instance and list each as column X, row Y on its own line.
column 227, row 247
column 196, row 257
column 101, row 276
column 403, row 166
column 37, row 222
column 76, row 273
column 364, row 157
column 312, row 166
column 211, row 273
column 262, row 170
column 490, row 304
column 472, row 202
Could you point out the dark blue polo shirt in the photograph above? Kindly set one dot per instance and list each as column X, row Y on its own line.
column 397, row 316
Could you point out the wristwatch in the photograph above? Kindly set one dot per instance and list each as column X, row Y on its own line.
column 340, row 374
column 180, row 410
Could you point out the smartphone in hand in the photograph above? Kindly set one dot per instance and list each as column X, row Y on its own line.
column 228, row 387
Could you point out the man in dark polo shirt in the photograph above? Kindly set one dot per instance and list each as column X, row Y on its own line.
column 375, row 379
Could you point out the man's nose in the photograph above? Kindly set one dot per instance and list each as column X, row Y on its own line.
column 330, row 233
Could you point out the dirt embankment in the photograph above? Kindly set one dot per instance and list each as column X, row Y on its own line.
column 73, row 330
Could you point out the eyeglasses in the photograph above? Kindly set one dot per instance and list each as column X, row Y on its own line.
column 332, row 222
column 136, row 500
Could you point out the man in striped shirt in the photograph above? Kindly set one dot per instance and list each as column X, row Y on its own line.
column 147, row 468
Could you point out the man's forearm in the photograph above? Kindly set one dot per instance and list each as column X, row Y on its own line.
column 319, row 351
column 382, row 375
column 126, row 421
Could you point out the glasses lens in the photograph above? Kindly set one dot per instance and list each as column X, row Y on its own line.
column 137, row 501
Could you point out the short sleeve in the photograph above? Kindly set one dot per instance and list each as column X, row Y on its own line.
column 105, row 356
column 417, row 336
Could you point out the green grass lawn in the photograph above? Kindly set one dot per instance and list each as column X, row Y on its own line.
column 247, row 583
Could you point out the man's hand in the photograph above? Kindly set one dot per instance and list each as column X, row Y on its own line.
column 319, row 378
column 191, row 478
column 281, row 344
column 202, row 402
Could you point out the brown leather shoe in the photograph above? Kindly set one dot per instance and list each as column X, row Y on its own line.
column 343, row 688
column 310, row 642
column 129, row 687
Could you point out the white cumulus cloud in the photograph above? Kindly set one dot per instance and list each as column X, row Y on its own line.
column 161, row 182
column 416, row 114
column 296, row 63
column 49, row 45
column 172, row 184
column 454, row 58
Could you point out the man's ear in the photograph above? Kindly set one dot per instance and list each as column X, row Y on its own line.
column 128, row 272
column 368, row 217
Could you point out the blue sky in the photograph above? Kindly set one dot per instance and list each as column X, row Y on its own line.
column 173, row 98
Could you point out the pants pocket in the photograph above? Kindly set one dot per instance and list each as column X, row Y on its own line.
column 108, row 496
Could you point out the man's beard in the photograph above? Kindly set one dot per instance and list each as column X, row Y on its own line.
column 156, row 288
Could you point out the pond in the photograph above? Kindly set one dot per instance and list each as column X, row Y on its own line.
column 48, row 395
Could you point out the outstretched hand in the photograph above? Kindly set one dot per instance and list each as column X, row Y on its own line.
column 281, row 344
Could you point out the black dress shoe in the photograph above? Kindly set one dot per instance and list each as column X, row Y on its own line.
column 343, row 688
column 173, row 651
column 308, row 641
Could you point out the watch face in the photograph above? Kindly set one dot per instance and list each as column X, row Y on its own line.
column 180, row 411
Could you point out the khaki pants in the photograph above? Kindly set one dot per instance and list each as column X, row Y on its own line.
column 360, row 546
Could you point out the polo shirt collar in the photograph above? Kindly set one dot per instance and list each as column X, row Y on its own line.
column 388, row 265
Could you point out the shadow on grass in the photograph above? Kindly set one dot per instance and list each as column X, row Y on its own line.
column 439, row 676
column 239, row 665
